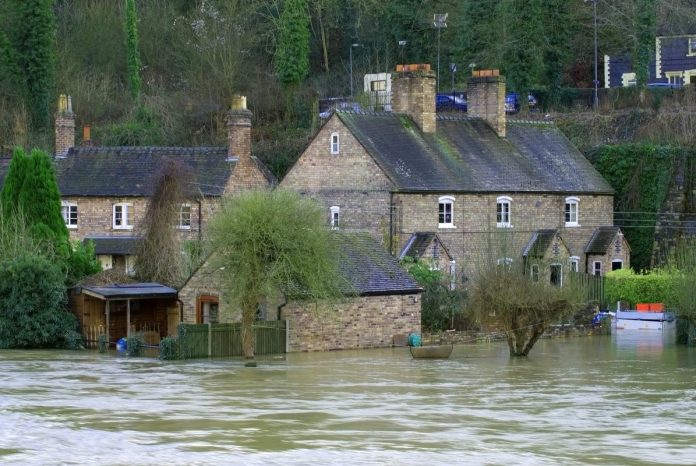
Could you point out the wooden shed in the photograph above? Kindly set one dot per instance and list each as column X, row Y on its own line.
column 119, row 310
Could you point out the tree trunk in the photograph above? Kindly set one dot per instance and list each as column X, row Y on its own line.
column 248, row 317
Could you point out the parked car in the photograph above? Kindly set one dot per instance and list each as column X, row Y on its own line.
column 450, row 102
column 512, row 102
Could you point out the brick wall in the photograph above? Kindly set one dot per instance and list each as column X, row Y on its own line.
column 95, row 216
column 618, row 250
column 362, row 322
column 65, row 132
column 486, row 99
column 413, row 93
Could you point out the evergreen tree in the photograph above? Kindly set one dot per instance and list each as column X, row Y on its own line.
column 645, row 39
column 35, row 43
column 132, row 50
column 12, row 187
column 292, row 49
column 557, row 31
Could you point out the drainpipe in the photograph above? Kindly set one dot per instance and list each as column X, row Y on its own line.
column 391, row 223
column 200, row 222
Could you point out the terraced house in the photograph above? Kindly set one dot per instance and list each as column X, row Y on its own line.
column 479, row 184
column 105, row 190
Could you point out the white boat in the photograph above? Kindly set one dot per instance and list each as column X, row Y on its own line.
column 642, row 320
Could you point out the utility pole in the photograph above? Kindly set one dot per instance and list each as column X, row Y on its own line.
column 595, row 95
column 439, row 21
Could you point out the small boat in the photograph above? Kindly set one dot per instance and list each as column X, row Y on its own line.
column 431, row 351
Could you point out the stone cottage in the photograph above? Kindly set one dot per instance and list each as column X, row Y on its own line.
column 383, row 304
column 105, row 190
column 484, row 183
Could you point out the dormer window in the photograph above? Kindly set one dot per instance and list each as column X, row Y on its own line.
column 334, row 143
column 446, row 212
column 69, row 211
column 335, row 217
column 123, row 216
column 571, row 212
column 692, row 46
column 503, row 219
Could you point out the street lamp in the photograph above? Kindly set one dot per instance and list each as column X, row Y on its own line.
column 595, row 96
column 439, row 21
column 351, row 67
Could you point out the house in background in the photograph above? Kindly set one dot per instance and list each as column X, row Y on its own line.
column 472, row 179
column 381, row 306
column 674, row 64
column 607, row 250
column 105, row 190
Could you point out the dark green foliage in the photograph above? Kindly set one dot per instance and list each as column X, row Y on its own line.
column 35, row 42
column 32, row 305
column 10, row 76
column 292, row 49
column 132, row 50
column 81, row 262
column 169, row 349
column 640, row 175
column 645, row 39
column 144, row 128
column 103, row 343
column 439, row 304
column 14, row 180
column 135, row 345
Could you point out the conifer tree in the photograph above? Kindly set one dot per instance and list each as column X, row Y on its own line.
column 645, row 39
column 132, row 50
column 292, row 49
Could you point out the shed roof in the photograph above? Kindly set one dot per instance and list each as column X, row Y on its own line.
column 539, row 243
column 601, row 240
column 370, row 269
column 130, row 291
column 466, row 155
column 118, row 245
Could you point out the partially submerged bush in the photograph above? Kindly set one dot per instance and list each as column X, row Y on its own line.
column 169, row 349
column 135, row 344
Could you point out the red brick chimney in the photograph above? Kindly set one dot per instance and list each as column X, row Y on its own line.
column 65, row 126
column 413, row 93
column 239, row 130
column 486, row 98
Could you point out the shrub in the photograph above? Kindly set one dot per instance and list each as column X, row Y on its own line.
column 135, row 345
column 32, row 305
column 657, row 286
column 169, row 349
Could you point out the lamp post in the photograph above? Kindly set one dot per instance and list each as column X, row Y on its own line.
column 439, row 21
column 351, row 67
column 595, row 95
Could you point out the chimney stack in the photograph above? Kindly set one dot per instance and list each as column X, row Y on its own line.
column 413, row 93
column 239, row 130
column 486, row 98
column 65, row 126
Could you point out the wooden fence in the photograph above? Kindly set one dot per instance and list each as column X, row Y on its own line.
column 591, row 287
column 219, row 340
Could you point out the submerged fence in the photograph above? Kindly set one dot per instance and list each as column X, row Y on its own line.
column 591, row 287
column 216, row 340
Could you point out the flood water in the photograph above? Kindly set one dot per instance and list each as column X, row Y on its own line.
column 594, row 400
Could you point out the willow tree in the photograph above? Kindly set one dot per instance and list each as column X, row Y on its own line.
column 520, row 300
column 270, row 242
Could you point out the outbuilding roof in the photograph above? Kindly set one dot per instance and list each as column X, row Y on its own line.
column 466, row 155
column 130, row 291
column 118, row 245
column 601, row 240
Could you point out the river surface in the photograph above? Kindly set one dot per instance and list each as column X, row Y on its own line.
column 594, row 400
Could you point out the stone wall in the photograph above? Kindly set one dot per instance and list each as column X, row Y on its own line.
column 361, row 322
column 475, row 233
column 95, row 216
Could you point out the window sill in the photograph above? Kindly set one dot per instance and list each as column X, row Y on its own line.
column 71, row 227
column 503, row 225
column 572, row 224
column 129, row 227
column 183, row 227
column 446, row 226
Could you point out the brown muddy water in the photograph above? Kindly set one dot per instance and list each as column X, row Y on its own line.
column 595, row 400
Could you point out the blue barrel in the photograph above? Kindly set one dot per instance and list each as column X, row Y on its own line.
column 121, row 344
column 414, row 339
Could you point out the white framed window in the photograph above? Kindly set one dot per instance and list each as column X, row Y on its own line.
column 597, row 268
column 184, row 217
column 334, row 143
column 692, row 46
column 574, row 264
column 335, row 217
column 572, row 211
column 123, row 216
column 503, row 217
column 674, row 78
column 616, row 264
column 445, row 213
column 505, row 262
column 379, row 85
column 69, row 212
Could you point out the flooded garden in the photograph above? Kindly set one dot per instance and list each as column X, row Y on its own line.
column 603, row 399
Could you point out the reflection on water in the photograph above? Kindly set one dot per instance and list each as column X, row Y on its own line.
column 577, row 401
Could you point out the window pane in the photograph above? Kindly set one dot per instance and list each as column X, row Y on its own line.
column 118, row 215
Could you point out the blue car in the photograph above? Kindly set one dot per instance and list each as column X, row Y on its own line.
column 450, row 103
column 512, row 102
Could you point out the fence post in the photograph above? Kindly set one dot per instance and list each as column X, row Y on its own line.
column 210, row 339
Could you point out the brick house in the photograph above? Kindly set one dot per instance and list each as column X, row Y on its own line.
column 383, row 304
column 475, row 179
column 105, row 190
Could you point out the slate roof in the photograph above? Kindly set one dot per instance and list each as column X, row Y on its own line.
column 369, row 268
column 539, row 243
column 130, row 291
column 466, row 155
column 601, row 240
column 132, row 171
column 116, row 245
column 417, row 244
